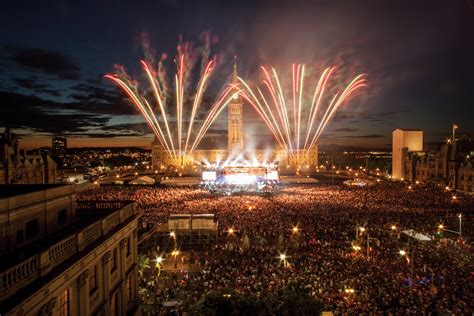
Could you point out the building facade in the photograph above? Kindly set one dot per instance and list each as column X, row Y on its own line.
column 404, row 141
column 16, row 167
column 235, row 119
column 59, row 146
column 161, row 158
column 450, row 166
column 66, row 257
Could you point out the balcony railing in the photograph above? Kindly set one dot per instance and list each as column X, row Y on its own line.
column 40, row 264
column 101, row 205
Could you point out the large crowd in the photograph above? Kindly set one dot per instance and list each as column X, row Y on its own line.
column 323, row 231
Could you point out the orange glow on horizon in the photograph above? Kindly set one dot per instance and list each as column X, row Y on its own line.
column 33, row 142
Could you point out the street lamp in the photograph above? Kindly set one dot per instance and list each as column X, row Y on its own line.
column 283, row 258
column 295, row 230
column 159, row 260
column 175, row 255
column 411, row 260
column 393, row 227
column 460, row 224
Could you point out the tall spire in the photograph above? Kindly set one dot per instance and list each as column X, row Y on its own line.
column 235, row 75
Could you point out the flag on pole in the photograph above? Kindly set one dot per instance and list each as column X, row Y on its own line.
column 455, row 127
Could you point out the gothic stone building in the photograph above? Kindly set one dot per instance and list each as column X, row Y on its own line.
column 16, row 167
column 452, row 165
column 235, row 147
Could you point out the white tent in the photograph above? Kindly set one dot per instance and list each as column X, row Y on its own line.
column 355, row 183
column 145, row 180
column 413, row 234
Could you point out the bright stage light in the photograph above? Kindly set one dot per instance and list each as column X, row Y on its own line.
column 272, row 175
column 209, row 175
column 240, row 178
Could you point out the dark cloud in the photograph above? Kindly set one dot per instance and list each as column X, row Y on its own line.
column 45, row 61
column 103, row 135
column 40, row 115
column 363, row 136
column 357, row 117
column 92, row 96
column 34, row 85
column 346, row 130
column 138, row 129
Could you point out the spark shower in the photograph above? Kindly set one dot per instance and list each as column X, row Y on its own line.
column 287, row 123
column 185, row 139
column 295, row 117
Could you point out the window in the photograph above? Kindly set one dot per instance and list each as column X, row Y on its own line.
column 128, row 288
column 62, row 217
column 64, row 303
column 114, row 261
column 93, row 279
column 20, row 237
column 128, row 247
column 114, row 303
column 32, row 229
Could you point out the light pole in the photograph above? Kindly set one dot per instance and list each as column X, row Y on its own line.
column 460, row 224
column 411, row 259
column 368, row 244
column 175, row 255
column 159, row 260
column 173, row 236
column 283, row 259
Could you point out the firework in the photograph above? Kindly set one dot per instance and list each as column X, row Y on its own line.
column 287, row 123
column 184, row 141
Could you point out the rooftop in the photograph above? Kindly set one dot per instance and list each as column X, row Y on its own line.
column 11, row 190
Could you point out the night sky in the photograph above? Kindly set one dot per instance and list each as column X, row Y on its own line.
column 419, row 57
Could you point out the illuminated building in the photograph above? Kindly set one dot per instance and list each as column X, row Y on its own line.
column 59, row 146
column 236, row 147
column 16, row 167
column 235, row 120
column 404, row 141
column 451, row 166
column 59, row 256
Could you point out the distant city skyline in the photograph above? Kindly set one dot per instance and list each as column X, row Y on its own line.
column 417, row 59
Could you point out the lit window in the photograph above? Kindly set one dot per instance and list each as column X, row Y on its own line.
column 93, row 280
column 64, row 303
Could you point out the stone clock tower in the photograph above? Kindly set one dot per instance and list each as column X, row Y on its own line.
column 235, row 120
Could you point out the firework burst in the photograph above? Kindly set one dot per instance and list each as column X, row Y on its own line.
column 297, row 120
column 156, row 105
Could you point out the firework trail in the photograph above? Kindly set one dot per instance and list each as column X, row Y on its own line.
column 186, row 138
column 287, row 123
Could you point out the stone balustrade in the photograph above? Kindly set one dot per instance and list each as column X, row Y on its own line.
column 92, row 233
column 20, row 273
column 63, row 249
